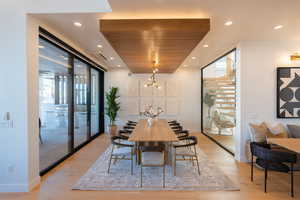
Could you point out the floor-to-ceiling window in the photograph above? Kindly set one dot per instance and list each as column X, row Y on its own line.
column 71, row 101
column 81, row 84
column 219, row 100
column 54, row 75
column 95, row 103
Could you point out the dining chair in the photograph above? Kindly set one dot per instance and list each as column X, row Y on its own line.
column 174, row 124
column 176, row 128
column 131, row 122
column 181, row 134
column 269, row 159
column 186, row 151
column 120, row 149
column 128, row 127
column 173, row 121
column 222, row 123
column 153, row 156
column 125, row 133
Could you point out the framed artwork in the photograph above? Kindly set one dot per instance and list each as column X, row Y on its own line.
column 288, row 92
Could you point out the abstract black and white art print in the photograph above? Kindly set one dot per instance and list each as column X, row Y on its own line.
column 288, row 92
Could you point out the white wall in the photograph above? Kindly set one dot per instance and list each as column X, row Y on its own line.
column 182, row 87
column 19, row 170
column 13, row 87
column 257, row 84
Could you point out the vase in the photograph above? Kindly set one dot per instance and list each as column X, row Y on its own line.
column 150, row 121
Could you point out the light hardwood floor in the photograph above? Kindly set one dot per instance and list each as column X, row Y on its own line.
column 57, row 183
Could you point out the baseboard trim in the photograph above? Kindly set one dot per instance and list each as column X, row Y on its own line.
column 34, row 183
column 20, row 187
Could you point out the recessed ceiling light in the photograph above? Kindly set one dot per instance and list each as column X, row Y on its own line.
column 99, row 46
column 205, row 46
column 278, row 27
column 228, row 23
column 193, row 57
column 112, row 58
column 119, row 65
column 78, row 24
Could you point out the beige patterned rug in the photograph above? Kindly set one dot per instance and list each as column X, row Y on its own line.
column 187, row 178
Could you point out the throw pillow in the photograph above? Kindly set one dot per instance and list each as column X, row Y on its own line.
column 294, row 130
column 258, row 132
column 276, row 131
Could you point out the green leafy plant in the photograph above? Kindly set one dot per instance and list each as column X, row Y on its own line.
column 209, row 100
column 112, row 105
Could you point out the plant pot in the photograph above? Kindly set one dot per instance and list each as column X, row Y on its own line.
column 112, row 130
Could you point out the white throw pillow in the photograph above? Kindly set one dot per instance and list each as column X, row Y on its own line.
column 278, row 130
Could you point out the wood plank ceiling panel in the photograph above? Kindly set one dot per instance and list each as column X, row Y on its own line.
column 168, row 42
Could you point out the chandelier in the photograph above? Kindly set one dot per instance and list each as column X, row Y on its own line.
column 152, row 80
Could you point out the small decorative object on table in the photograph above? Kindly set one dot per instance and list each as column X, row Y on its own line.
column 151, row 114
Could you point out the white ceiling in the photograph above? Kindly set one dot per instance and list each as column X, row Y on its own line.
column 252, row 20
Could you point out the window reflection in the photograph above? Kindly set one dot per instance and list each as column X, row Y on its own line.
column 95, row 102
column 81, row 79
column 54, row 75
column 61, row 72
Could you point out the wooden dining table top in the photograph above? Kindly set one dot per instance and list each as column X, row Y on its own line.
column 292, row 144
column 159, row 131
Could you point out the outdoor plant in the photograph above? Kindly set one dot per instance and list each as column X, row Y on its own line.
column 209, row 100
column 112, row 105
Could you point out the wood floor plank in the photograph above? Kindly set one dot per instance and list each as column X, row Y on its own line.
column 56, row 185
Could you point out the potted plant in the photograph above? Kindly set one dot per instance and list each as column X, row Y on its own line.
column 209, row 100
column 112, row 108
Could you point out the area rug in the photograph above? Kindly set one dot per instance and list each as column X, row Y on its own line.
column 186, row 179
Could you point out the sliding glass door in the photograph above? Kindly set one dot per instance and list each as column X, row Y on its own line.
column 81, row 87
column 71, row 103
column 95, row 102
column 54, row 77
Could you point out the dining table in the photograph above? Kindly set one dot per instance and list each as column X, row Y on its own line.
column 159, row 131
column 292, row 144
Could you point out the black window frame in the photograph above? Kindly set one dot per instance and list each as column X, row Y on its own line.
column 202, row 96
column 74, row 54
